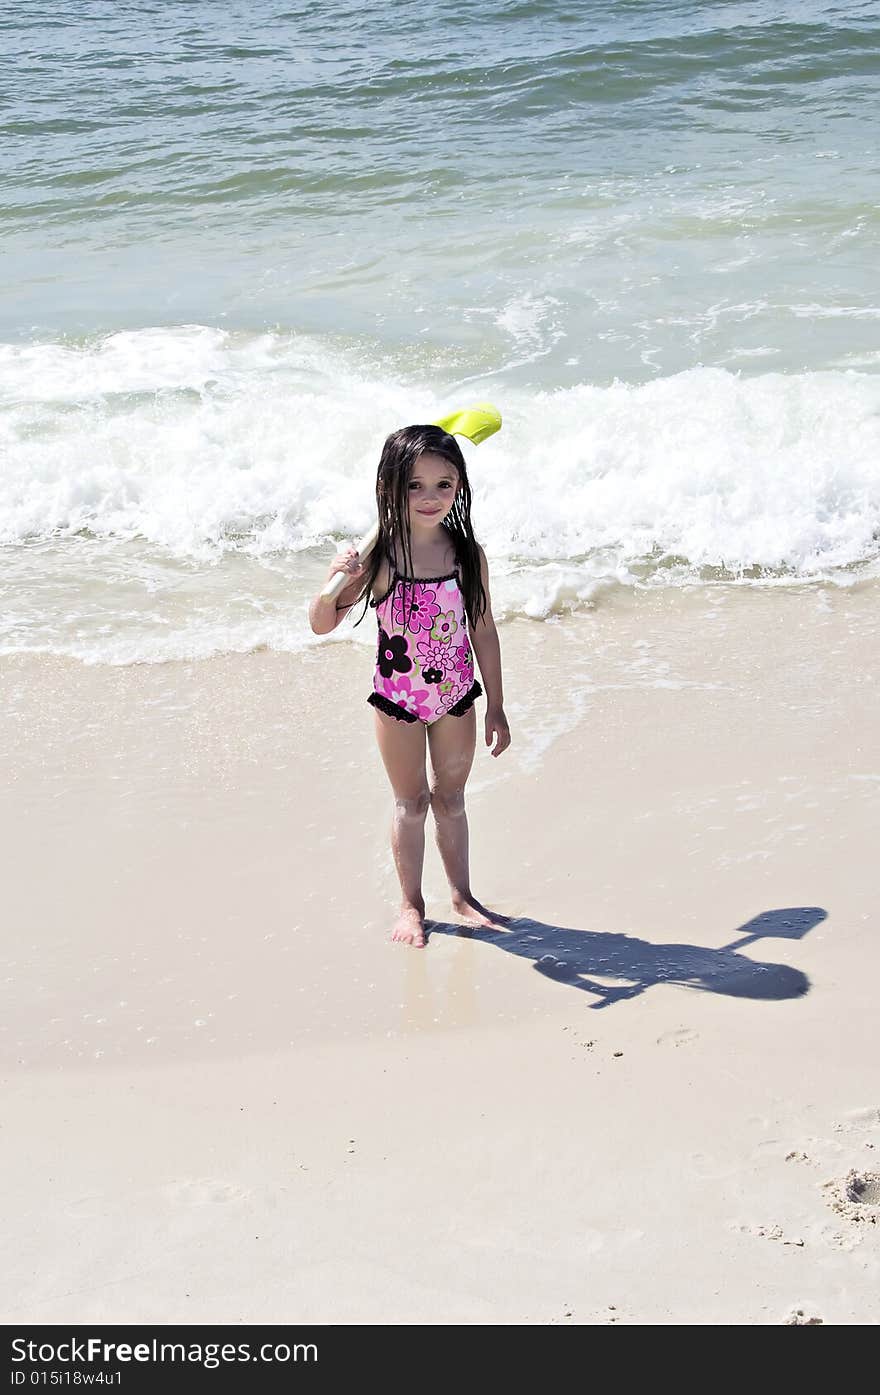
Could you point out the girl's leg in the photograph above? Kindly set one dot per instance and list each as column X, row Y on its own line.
column 452, row 741
column 402, row 747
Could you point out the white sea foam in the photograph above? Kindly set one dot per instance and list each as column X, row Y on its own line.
column 169, row 452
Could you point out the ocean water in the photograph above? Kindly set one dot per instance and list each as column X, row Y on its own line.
column 242, row 242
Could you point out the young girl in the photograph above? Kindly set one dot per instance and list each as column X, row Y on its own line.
column 429, row 584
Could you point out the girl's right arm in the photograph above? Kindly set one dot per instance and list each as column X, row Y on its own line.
column 325, row 612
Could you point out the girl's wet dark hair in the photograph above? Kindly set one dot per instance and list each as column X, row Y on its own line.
column 399, row 455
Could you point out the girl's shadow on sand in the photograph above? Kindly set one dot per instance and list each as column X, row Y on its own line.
column 571, row 956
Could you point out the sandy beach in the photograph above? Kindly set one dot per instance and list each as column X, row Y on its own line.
column 229, row 1099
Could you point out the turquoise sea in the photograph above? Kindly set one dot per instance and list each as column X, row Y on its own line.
column 242, row 242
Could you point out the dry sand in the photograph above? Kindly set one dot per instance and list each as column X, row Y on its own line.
column 229, row 1099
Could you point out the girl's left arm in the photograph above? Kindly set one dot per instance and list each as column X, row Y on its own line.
column 488, row 651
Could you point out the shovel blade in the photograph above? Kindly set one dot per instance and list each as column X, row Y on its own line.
column 477, row 423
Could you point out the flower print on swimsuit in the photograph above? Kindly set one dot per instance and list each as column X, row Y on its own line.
column 392, row 654
column 434, row 659
column 450, row 692
column 444, row 627
column 415, row 607
column 400, row 691
column 462, row 661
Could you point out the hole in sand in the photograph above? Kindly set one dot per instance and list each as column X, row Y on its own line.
column 863, row 1188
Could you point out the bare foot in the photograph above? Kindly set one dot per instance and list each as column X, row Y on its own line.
column 409, row 927
column 471, row 911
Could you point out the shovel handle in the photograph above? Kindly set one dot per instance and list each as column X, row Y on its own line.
column 341, row 579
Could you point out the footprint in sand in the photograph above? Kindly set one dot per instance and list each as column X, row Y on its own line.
column 852, row 1128
column 203, row 1191
column 681, row 1036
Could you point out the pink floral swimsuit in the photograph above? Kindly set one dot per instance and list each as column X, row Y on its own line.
column 424, row 661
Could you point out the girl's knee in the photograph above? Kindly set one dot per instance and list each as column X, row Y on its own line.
column 447, row 800
column 412, row 810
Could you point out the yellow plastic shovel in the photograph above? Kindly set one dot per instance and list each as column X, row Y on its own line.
column 477, row 423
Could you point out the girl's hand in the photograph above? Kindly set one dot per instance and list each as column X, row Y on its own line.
column 347, row 561
column 496, row 725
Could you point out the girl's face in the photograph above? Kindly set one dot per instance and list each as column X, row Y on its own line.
column 432, row 487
